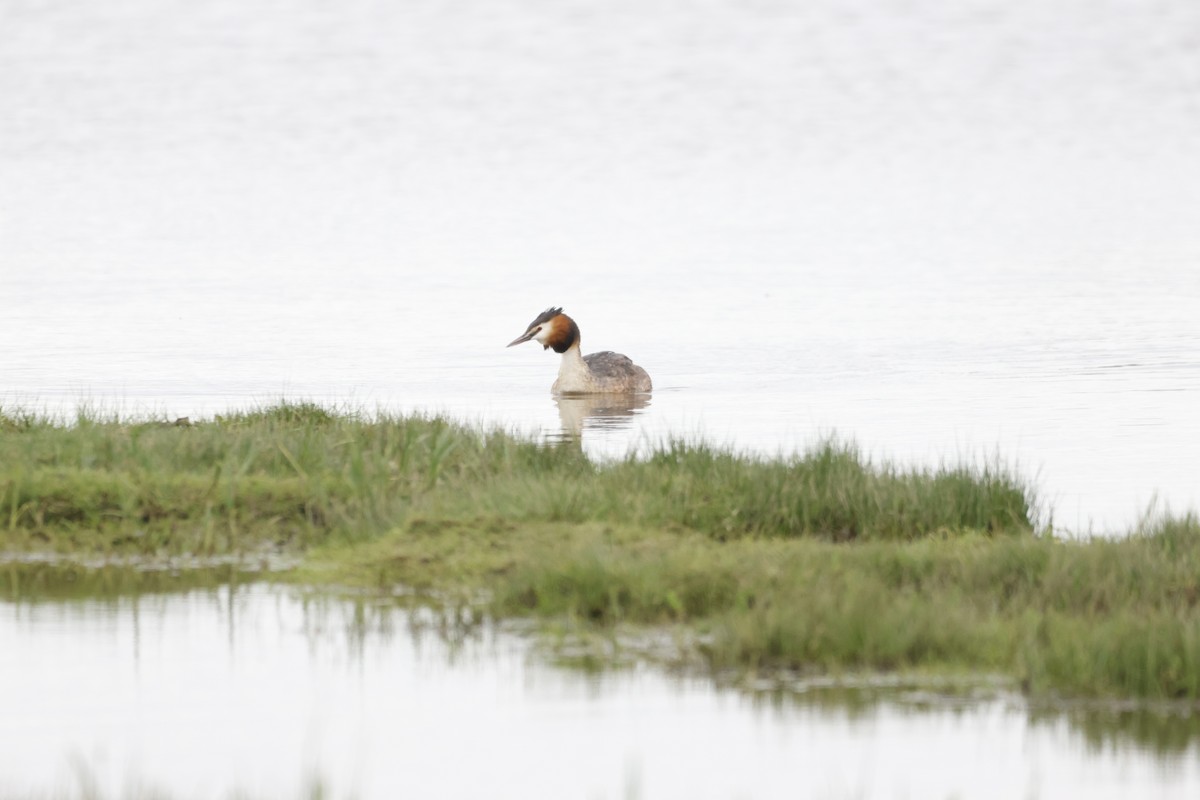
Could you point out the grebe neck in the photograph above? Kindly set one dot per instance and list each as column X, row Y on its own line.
column 573, row 372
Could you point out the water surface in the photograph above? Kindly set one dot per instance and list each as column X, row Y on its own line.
column 267, row 691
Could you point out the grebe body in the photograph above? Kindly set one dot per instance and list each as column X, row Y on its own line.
column 605, row 372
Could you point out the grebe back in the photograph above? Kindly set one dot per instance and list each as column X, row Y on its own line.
column 605, row 372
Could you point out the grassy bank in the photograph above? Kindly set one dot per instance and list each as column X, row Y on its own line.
column 298, row 475
column 823, row 561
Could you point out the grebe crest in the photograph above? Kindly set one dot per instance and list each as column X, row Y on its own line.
column 596, row 373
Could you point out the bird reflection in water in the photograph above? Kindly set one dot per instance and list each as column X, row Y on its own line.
column 604, row 412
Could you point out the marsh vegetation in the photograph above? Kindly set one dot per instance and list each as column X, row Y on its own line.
column 821, row 562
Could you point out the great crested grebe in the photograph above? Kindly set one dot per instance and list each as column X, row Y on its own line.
column 597, row 373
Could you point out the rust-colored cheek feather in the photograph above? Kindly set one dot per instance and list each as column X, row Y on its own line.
column 563, row 333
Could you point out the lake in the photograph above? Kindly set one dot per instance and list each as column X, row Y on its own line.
column 948, row 232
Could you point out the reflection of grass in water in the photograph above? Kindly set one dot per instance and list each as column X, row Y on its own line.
column 1164, row 731
column 87, row 787
column 313, row 788
column 822, row 562
column 63, row 580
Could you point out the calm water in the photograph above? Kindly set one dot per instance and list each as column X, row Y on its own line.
column 262, row 691
column 945, row 230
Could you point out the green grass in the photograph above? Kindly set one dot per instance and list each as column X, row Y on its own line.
column 1098, row 618
column 297, row 475
column 821, row 562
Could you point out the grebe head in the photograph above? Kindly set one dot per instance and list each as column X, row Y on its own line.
column 551, row 328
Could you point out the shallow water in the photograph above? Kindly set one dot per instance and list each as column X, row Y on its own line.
column 267, row 691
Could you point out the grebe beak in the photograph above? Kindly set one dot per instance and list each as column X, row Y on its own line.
column 524, row 337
